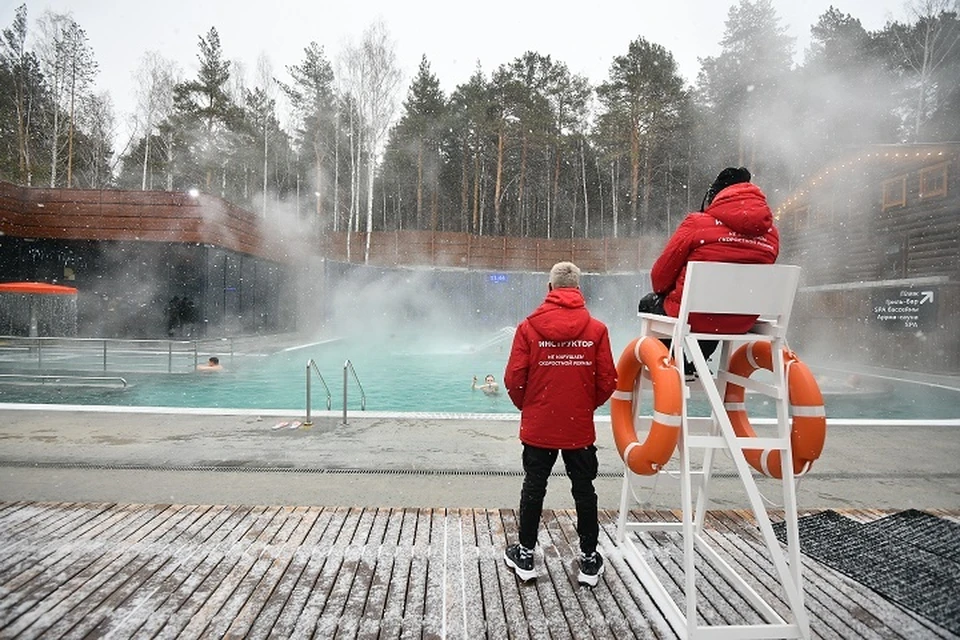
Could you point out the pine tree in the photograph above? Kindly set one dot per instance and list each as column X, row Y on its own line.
column 644, row 102
column 741, row 89
column 314, row 102
column 205, row 109
column 415, row 146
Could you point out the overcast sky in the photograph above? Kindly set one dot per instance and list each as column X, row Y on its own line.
column 454, row 36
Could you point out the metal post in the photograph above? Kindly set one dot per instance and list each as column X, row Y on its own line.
column 104, row 356
column 344, row 393
column 169, row 357
column 307, row 422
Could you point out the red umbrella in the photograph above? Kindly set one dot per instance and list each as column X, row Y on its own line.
column 41, row 288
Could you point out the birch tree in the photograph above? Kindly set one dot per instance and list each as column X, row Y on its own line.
column 268, row 87
column 156, row 78
column 349, row 73
column 95, row 117
column 375, row 80
column 24, row 77
column 926, row 47
column 51, row 47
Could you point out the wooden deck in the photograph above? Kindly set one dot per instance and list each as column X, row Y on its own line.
column 184, row 571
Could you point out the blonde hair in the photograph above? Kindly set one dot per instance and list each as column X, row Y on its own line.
column 565, row 275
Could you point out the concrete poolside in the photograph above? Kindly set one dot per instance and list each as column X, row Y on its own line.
column 148, row 524
column 406, row 460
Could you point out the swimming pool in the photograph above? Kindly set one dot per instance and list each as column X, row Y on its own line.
column 395, row 374
column 399, row 374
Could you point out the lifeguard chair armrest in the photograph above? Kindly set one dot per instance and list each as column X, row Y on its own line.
column 664, row 325
column 767, row 327
column 749, row 336
column 660, row 324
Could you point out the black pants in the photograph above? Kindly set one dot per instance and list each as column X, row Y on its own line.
column 654, row 304
column 581, row 467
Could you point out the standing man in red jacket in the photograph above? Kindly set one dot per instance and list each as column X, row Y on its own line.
column 560, row 371
column 734, row 224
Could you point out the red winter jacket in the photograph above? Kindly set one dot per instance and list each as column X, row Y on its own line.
column 560, row 370
column 736, row 227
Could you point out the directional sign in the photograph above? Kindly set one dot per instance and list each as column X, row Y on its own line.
column 906, row 309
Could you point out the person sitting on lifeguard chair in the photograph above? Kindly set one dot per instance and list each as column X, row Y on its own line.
column 734, row 224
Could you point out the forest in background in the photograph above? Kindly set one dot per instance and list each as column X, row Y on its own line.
column 526, row 149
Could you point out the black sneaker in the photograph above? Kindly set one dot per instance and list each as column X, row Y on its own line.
column 520, row 559
column 591, row 567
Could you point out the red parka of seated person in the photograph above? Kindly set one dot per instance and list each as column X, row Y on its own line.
column 559, row 372
column 737, row 226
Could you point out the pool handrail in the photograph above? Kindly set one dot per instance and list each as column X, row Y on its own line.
column 347, row 365
column 145, row 350
column 43, row 378
column 311, row 363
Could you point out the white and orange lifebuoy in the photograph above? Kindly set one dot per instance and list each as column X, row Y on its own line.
column 647, row 458
column 808, row 429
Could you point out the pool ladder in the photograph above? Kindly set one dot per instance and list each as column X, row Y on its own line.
column 347, row 367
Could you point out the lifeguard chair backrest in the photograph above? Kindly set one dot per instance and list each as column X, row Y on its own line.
column 766, row 290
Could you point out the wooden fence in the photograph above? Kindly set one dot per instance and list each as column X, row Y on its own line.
column 116, row 215
column 466, row 251
column 162, row 216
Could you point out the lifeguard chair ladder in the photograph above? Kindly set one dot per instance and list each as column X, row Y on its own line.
column 711, row 287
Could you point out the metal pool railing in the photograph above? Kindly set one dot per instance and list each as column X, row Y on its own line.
column 347, row 367
column 104, row 355
column 76, row 381
column 311, row 364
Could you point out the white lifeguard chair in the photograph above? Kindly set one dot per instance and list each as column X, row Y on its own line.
column 711, row 287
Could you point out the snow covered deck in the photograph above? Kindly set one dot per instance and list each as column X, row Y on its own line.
column 73, row 570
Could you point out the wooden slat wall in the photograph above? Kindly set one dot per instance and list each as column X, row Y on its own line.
column 846, row 235
column 462, row 250
column 151, row 216
column 160, row 216
column 928, row 227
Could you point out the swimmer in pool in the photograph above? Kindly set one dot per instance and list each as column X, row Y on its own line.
column 213, row 364
column 489, row 386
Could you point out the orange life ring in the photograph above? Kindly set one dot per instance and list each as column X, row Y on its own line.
column 647, row 458
column 808, row 429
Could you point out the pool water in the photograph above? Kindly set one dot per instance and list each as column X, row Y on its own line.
column 395, row 376
column 399, row 375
